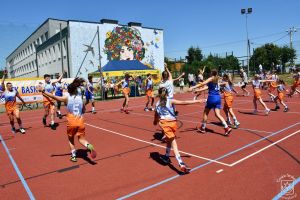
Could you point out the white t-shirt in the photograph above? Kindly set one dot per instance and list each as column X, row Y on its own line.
column 169, row 86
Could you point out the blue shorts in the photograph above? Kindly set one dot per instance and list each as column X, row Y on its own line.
column 89, row 96
column 213, row 102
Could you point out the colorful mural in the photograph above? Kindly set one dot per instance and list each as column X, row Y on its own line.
column 116, row 43
column 124, row 43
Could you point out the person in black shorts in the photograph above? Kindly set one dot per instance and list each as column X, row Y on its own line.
column 244, row 82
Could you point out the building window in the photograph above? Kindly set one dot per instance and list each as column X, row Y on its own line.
column 46, row 35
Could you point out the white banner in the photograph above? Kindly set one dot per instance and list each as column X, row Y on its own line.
column 28, row 92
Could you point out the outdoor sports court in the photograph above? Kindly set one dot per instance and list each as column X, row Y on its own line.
column 246, row 165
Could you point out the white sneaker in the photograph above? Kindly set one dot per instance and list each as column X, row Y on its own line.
column 22, row 130
column 267, row 111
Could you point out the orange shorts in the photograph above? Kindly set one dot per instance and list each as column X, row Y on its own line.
column 257, row 93
column 228, row 100
column 126, row 91
column 12, row 109
column 149, row 93
column 296, row 84
column 75, row 126
column 273, row 86
column 169, row 128
column 48, row 104
column 280, row 96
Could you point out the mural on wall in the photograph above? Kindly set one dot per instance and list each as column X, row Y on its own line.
column 124, row 43
column 117, row 43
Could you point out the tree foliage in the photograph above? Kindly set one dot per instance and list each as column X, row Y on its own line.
column 270, row 55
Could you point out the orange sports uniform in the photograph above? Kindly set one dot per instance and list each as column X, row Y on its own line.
column 75, row 121
column 167, row 119
column 48, row 102
column 257, row 91
column 125, row 87
column 11, row 102
column 228, row 97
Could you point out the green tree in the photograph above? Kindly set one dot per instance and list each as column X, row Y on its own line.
column 287, row 54
column 194, row 54
column 268, row 55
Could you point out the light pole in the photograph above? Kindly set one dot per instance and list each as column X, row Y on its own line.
column 247, row 12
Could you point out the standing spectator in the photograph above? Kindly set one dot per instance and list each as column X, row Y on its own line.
column 181, row 84
column 191, row 79
column 260, row 68
column 244, row 77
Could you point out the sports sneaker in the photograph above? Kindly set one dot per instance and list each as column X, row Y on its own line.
column 228, row 123
column 53, row 127
column 227, row 131
column 151, row 109
column 73, row 159
column 184, row 168
column 122, row 109
column 92, row 151
column 286, row 109
column 94, row 112
column 60, row 116
column 146, row 109
column 277, row 107
column 57, row 114
column 267, row 111
column 13, row 130
column 44, row 121
column 201, row 129
column 126, row 111
column 22, row 130
column 165, row 159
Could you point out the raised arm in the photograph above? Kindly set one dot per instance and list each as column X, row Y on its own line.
column 179, row 77
column 62, row 99
column 203, row 69
column 200, row 84
column 170, row 75
column 121, row 81
column 58, row 80
column 3, row 80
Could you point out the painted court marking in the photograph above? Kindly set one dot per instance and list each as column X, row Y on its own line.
column 262, row 149
column 25, row 185
column 219, row 171
column 283, row 192
column 203, row 165
column 136, row 139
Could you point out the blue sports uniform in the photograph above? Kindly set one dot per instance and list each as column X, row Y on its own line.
column 58, row 89
column 214, row 98
column 89, row 95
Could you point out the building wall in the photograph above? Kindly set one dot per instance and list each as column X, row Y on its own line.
column 147, row 40
column 22, row 61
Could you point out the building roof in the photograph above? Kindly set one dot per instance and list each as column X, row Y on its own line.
column 34, row 33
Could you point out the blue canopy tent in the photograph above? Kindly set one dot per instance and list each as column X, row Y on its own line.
column 133, row 67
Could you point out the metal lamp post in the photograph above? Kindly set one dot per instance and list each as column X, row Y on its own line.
column 246, row 12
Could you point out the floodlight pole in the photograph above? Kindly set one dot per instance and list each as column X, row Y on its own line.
column 247, row 12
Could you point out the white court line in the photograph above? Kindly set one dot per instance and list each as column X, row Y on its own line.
column 262, row 149
column 219, row 171
column 193, row 122
column 143, row 141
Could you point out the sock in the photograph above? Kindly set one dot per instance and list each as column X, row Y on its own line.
column 93, row 108
column 52, row 122
column 73, row 153
column 168, row 150
column 179, row 160
column 58, row 112
column 203, row 124
column 234, row 119
column 225, row 124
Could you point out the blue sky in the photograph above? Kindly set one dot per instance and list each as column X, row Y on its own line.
column 215, row 26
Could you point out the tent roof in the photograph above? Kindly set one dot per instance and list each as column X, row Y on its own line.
column 122, row 65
